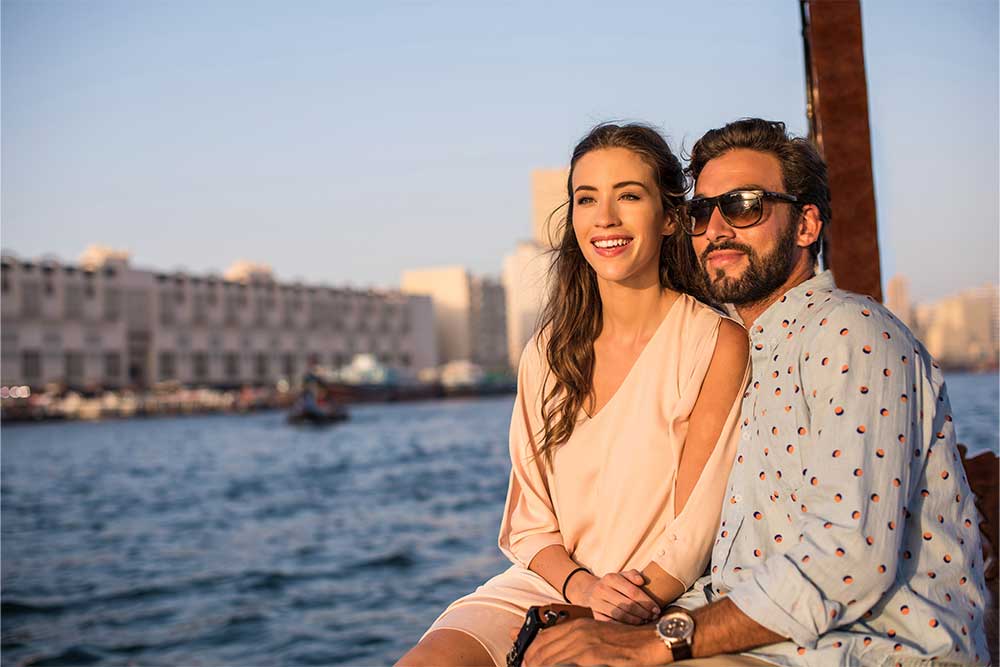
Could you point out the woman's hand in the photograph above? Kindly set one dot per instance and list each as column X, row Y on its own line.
column 614, row 597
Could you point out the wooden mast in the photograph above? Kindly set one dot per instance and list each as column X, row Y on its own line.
column 837, row 106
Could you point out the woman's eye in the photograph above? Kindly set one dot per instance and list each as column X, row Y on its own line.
column 584, row 200
column 629, row 196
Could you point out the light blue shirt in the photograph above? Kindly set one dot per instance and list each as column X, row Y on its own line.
column 848, row 523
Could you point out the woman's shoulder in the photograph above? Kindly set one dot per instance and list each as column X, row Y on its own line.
column 702, row 321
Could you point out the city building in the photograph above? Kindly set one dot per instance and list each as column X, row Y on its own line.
column 961, row 331
column 469, row 314
column 525, row 270
column 897, row 299
column 548, row 204
column 104, row 323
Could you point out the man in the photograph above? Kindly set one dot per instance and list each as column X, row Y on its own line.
column 849, row 535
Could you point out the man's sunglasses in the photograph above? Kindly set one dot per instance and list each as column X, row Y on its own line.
column 739, row 208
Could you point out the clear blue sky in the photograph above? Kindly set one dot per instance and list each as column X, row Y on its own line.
column 344, row 142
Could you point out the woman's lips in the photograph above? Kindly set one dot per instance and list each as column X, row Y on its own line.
column 610, row 246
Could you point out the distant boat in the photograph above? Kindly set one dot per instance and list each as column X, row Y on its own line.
column 316, row 404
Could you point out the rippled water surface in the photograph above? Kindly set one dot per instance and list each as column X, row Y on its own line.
column 240, row 540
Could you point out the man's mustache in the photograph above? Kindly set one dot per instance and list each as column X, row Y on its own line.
column 725, row 245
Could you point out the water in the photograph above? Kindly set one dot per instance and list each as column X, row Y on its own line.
column 240, row 540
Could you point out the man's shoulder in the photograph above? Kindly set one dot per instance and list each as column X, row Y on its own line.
column 843, row 317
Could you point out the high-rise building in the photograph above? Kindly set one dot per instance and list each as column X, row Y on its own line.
column 897, row 299
column 469, row 314
column 548, row 204
column 525, row 277
column 962, row 330
column 104, row 323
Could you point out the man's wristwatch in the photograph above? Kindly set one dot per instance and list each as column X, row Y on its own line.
column 676, row 629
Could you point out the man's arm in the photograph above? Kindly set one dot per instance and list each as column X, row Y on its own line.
column 719, row 628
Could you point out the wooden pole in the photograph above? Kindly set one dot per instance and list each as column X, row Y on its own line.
column 837, row 105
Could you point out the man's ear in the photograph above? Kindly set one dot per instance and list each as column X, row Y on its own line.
column 810, row 226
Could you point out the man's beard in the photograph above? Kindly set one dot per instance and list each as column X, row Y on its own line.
column 762, row 277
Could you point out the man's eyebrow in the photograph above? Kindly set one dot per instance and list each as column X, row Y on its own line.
column 745, row 186
column 615, row 186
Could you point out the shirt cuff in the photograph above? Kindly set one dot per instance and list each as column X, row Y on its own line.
column 678, row 556
column 780, row 599
column 528, row 547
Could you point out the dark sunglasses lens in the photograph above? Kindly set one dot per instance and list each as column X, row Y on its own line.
column 699, row 213
column 741, row 209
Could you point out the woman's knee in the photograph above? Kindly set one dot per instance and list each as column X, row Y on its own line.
column 447, row 648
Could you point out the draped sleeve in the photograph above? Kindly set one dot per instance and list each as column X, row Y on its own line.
column 529, row 521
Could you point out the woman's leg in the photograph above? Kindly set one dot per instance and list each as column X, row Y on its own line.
column 447, row 648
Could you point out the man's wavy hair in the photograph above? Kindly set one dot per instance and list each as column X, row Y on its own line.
column 572, row 317
column 802, row 167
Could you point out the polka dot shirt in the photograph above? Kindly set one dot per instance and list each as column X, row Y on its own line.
column 848, row 523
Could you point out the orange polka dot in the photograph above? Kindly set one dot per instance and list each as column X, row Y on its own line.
column 756, row 552
column 947, row 558
column 867, row 349
column 777, row 392
column 904, row 610
column 944, row 474
column 837, row 498
column 901, row 437
column 858, row 472
column 861, row 429
column 825, row 361
column 881, row 569
column 880, row 453
column 758, row 516
column 801, row 651
column 855, row 515
column 896, row 482
column 866, row 312
column 927, row 537
column 884, row 412
column 892, row 525
column 789, row 449
column 844, row 332
column 903, row 398
column 875, row 497
column 828, row 525
column 840, row 552
column 802, row 430
column 805, row 559
column 933, row 623
column 838, row 410
column 844, row 368
column 870, row 540
column 863, row 389
column 836, row 453
column 761, row 475
column 822, row 322
column 848, row 579
column 774, row 374
column 813, row 481
column 886, row 372
column 885, row 334
column 778, row 538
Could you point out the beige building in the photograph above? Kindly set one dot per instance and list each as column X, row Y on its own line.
column 897, row 299
column 104, row 323
column 525, row 278
column 962, row 330
column 548, row 204
column 469, row 314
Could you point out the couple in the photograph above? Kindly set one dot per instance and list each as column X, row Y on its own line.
column 819, row 430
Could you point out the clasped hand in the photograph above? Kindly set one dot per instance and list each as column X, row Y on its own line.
column 616, row 596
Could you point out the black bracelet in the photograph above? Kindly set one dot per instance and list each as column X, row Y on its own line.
column 570, row 576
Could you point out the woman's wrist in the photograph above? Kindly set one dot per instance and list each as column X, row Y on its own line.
column 576, row 586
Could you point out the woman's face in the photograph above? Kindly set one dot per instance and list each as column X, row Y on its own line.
column 618, row 216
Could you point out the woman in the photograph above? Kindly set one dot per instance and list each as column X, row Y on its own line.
column 624, row 427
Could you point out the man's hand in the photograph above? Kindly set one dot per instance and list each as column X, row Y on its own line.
column 590, row 642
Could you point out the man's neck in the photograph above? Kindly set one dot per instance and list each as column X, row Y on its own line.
column 805, row 268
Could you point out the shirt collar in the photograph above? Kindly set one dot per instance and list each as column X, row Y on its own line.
column 778, row 315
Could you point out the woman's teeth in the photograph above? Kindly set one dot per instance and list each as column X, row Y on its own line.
column 612, row 243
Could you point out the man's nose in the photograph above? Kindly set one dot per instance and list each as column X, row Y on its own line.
column 718, row 228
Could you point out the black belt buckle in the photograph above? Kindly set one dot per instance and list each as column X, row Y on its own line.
column 534, row 621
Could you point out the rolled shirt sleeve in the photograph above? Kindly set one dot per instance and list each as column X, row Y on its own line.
column 862, row 385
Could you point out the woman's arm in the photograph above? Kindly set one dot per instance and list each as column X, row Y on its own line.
column 713, row 424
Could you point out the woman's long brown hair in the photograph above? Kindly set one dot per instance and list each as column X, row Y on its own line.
column 572, row 318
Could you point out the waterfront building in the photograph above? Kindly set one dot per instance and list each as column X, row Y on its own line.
column 897, row 299
column 469, row 314
column 548, row 199
column 525, row 277
column 961, row 331
column 103, row 323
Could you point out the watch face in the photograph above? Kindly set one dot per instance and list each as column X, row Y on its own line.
column 675, row 626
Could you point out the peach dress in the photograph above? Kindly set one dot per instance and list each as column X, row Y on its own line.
column 609, row 496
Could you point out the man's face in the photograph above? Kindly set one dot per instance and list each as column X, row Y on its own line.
column 742, row 266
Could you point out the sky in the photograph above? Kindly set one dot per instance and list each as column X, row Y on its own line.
column 342, row 143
